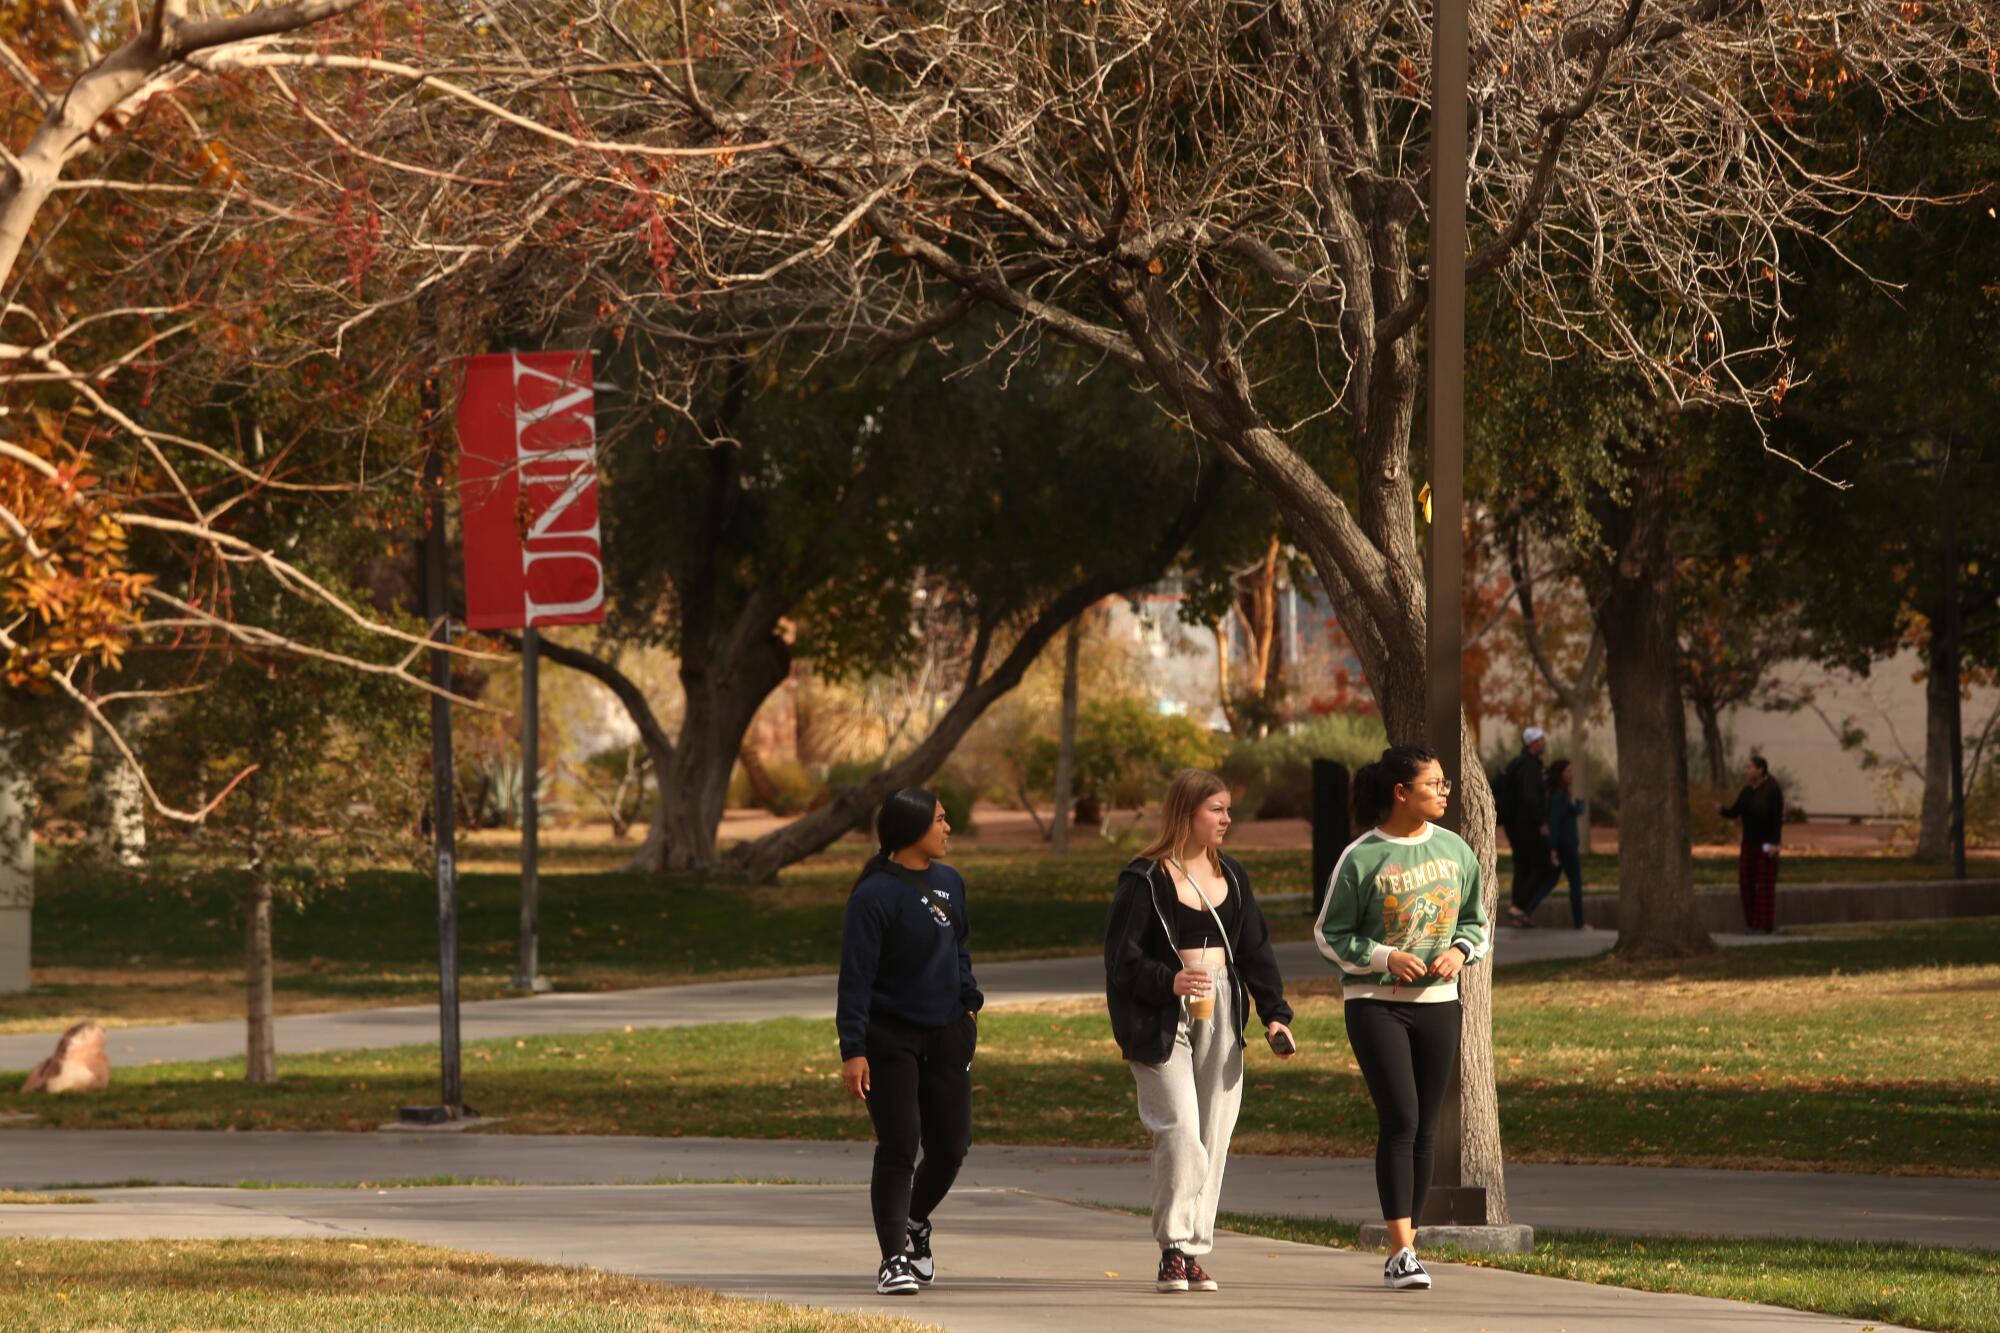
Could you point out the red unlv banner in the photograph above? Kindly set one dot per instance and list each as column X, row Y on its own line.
column 527, row 434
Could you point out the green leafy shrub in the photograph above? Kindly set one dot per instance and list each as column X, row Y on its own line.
column 949, row 788
column 1126, row 750
column 1272, row 775
column 957, row 798
column 794, row 789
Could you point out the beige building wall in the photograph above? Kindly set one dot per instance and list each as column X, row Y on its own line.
column 1821, row 776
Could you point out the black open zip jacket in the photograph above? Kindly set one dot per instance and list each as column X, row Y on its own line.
column 1141, row 958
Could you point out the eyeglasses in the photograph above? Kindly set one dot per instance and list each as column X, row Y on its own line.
column 1442, row 786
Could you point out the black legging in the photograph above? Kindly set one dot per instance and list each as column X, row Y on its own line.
column 919, row 1093
column 1406, row 1052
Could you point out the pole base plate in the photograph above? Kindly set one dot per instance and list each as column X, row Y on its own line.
column 438, row 1120
column 434, row 1115
column 1509, row 1238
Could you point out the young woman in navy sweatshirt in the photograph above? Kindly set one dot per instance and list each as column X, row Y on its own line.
column 908, row 1024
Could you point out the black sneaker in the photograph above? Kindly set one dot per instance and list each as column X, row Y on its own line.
column 1173, row 1271
column 896, row 1278
column 1198, row 1278
column 1404, row 1272
column 918, row 1251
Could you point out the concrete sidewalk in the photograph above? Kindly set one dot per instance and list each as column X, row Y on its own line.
column 1954, row 1212
column 1025, row 982
column 1006, row 1260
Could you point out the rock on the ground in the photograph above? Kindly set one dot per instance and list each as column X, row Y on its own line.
column 78, row 1063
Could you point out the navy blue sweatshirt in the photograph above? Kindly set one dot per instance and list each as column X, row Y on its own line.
column 901, row 958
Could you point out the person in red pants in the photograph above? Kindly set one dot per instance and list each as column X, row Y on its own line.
column 1761, row 807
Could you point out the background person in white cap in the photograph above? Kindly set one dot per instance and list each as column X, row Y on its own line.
column 1523, row 806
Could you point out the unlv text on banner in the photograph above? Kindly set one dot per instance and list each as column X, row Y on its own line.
column 527, row 431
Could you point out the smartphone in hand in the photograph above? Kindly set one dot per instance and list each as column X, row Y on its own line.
column 1281, row 1042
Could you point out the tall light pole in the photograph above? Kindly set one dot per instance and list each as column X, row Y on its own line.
column 1450, row 1201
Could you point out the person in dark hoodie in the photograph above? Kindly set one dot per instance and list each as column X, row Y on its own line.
column 1761, row 807
column 908, row 1023
column 1185, row 950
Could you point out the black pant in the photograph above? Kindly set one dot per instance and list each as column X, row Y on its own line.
column 1534, row 873
column 919, row 1093
column 1570, row 861
column 1406, row 1053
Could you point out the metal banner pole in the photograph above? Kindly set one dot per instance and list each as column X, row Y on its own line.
column 1450, row 1201
column 443, row 819
column 529, row 975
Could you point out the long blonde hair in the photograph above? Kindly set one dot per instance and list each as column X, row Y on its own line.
column 1185, row 794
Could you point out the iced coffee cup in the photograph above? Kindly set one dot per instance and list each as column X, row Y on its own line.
column 1201, row 1008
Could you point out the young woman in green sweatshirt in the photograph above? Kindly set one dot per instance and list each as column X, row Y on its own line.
column 1402, row 916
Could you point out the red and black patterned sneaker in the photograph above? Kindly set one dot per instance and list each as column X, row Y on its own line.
column 1198, row 1278
column 1173, row 1271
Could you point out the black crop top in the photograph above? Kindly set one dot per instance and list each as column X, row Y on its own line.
column 1194, row 928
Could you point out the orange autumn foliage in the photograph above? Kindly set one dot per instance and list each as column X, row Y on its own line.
column 66, row 593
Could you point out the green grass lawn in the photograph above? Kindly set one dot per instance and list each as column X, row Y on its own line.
column 67, row 1286
column 1914, row 1286
column 1848, row 1053
column 168, row 948
column 122, row 949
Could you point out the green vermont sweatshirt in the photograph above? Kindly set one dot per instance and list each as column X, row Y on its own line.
column 1420, row 894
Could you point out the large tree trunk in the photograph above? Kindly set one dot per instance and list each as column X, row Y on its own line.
column 261, row 1047
column 1656, row 908
column 724, row 689
column 117, row 804
column 1940, row 684
column 1482, row 1158
column 17, row 866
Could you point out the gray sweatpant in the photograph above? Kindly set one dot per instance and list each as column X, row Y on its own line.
column 1190, row 1104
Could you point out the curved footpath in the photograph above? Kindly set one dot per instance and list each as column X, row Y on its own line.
column 1635, row 1199
column 1007, row 1260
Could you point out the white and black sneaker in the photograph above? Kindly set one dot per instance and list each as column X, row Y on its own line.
column 896, row 1277
column 917, row 1249
column 1403, row 1271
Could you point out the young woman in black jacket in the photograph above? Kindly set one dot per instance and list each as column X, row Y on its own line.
column 907, row 1017
column 1185, row 951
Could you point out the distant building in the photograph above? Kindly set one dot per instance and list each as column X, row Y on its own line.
column 1321, row 674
